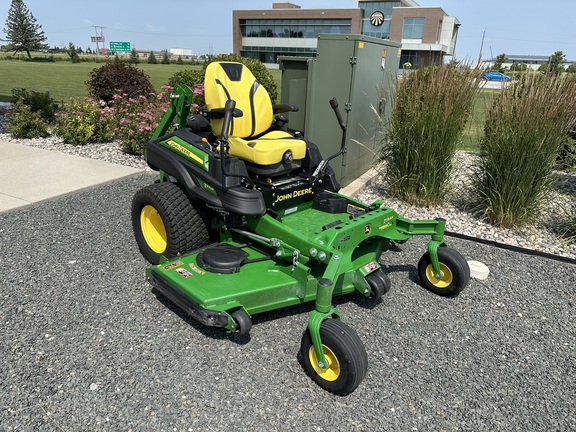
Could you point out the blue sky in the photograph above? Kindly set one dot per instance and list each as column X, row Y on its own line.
column 512, row 26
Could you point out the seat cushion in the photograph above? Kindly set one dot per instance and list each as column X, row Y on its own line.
column 267, row 149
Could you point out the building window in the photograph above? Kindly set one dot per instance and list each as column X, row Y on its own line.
column 412, row 57
column 368, row 8
column 413, row 28
column 270, row 54
column 293, row 28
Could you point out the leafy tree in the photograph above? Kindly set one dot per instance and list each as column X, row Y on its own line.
column 73, row 53
column 571, row 69
column 519, row 67
column 152, row 58
column 180, row 61
column 556, row 63
column 22, row 31
column 500, row 60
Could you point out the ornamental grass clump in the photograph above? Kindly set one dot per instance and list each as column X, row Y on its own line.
column 525, row 128
column 432, row 107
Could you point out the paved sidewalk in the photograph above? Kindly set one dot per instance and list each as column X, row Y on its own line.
column 30, row 175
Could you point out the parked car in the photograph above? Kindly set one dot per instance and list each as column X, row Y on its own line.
column 496, row 76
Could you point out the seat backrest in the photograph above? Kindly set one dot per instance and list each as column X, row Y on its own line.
column 231, row 80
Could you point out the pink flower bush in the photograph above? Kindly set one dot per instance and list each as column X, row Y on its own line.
column 129, row 120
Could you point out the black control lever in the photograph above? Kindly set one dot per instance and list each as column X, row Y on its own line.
column 229, row 110
column 334, row 105
column 324, row 163
column 228, row 114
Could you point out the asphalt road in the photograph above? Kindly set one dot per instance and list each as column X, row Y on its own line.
column 87, row 345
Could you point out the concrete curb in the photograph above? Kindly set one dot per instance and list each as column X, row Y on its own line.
column 358, row 185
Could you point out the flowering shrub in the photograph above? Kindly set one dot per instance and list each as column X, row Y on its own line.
column 39, row 102
column 137, row 119
column 84, row 121
column 25, row 123
column 131, row 120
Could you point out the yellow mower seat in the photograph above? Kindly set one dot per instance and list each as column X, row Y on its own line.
column 248, row 137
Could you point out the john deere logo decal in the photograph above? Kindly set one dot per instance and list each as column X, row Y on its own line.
column 377, row 18
column 367, row 229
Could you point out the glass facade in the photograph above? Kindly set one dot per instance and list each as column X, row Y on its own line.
column 412, row 57
column 270, row 54
column 413, row 28
column 381, row 31
column 287, row 29
column 293, row 28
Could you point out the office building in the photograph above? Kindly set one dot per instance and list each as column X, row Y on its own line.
column 427, row 34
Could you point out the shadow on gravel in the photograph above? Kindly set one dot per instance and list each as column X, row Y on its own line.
column 565, row 183
column 211, row 332
column 410, row 269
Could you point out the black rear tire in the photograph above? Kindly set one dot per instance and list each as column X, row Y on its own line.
column 345, row 353
column 166, row 222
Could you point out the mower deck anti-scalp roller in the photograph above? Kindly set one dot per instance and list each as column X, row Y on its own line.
column 247, row 218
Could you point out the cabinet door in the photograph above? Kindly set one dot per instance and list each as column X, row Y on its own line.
column 367, row 117
column 330, row 77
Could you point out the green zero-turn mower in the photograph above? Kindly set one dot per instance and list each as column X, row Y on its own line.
column 246, row 218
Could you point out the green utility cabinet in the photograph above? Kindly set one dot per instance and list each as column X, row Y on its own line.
column 360, row 71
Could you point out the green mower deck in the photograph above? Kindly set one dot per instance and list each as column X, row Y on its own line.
column 279, row 273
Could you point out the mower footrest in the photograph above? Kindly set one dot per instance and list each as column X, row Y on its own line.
column 205, row 316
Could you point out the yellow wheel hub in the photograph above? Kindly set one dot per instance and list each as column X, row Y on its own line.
column 153, row 229
column 444, row 281
column 332, row 372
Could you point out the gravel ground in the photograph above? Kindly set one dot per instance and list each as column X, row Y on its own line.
column 87, row 345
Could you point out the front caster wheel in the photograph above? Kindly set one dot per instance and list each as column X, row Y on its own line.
column 455, row 273
column 379, row 284
column 346, row 355
column 243, row 322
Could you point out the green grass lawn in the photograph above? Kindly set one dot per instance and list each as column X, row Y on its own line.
column 475, row 127
column 64, row 79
